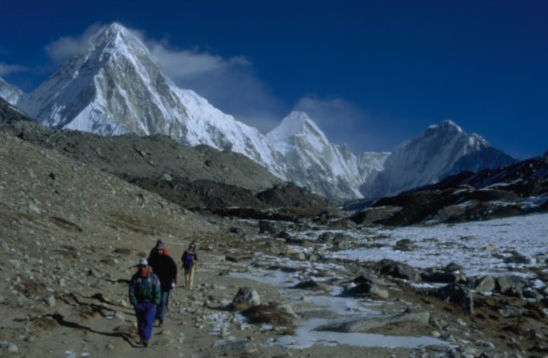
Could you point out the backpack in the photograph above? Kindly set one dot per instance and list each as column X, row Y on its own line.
column 188, row 260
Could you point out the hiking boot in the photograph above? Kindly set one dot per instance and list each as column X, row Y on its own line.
column 160, row 322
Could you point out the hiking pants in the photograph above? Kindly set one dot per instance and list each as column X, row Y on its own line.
column 162, row 308
column 145, row 312
column 189, row 277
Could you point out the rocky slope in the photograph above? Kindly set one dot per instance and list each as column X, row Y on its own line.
column 198, row 177
column 442, row 150
column 131, row 156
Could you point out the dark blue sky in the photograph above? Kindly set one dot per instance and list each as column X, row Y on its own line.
column 372, row 73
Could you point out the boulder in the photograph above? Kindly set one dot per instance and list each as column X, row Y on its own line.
column 485, row 284
column 245, row 298
column 455, row 293
column 310, row 285
column 363, row 325
column 267, row 227
column 403, row 245
column 516, row 258
column 511, row 285
column 8, row 347
column 341, row 241
column 49, row 299
column 396, row 269
column 326, row 237
column 363, row 286
column 275, row 314
column 451, row 273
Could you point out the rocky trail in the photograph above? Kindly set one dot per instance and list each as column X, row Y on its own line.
column 71, row 234
column 262, row 295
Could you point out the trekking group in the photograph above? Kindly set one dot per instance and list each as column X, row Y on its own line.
column 151, row 285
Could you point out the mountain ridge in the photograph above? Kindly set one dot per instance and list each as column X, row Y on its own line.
column 116, row 86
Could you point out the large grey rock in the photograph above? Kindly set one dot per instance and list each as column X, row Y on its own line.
column 511, row 285
column 49, row 299
column 245, row 298
column 268, row 227
column 367, row 324
column 311, row 285
column 364, row 286
column 485, row 284
column 516, row 258
column 8, row 347
column 343, row 242
column 276, row 314
column 455, row 293
column 398, row 270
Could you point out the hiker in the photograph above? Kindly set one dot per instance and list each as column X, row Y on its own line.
column 190, row 262
column 166, row 269
column 144, row 296
column 154, row 250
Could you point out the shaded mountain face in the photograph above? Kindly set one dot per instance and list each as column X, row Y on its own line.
column 9, row 92
column 442, row 150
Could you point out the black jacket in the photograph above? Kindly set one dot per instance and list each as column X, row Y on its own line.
column 165, row 268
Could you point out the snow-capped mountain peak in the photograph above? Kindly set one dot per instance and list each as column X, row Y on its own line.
column 442, row 150
column 310, row 160
column 447, row 126
column 116, row 86
column 297, row 124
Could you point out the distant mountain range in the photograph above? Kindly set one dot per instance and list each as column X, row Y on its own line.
column 116, row 86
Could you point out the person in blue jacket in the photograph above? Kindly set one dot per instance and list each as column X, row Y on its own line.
column 145, row 295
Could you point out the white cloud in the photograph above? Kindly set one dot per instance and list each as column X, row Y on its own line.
column 184, row 64
column 345, row 123
column 229, row 83
column 6, row 69
column 68, row 46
